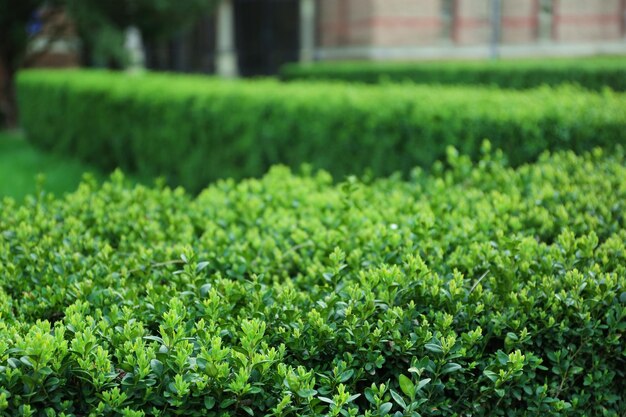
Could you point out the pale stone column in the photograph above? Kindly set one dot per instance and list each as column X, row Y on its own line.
column 307, row 30
column 226, row 64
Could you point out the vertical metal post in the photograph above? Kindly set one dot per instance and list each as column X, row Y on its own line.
column 496, row 19
column 624, row 19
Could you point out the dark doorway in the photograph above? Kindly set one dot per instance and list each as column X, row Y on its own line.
column 266, row 35
column 190, row 50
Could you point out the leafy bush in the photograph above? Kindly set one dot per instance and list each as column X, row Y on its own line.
column 194, row 129
column 480, row 290
column 595, row 73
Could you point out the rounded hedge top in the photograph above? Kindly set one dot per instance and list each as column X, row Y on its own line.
column 195, row 129
column 480, row 290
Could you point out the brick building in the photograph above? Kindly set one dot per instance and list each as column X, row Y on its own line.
column 380, row 28
column 414, row 29
column 252, row 37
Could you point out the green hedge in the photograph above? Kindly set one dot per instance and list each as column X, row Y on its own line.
column 194, row 129
column 479, row 291
column 592, row 73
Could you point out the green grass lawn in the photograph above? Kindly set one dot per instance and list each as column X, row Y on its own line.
column 21, row 164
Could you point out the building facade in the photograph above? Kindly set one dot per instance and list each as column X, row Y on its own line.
column 256, row 37
column 415, row 29
column 379, row 29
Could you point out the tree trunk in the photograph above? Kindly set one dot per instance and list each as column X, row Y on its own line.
column 8, row 103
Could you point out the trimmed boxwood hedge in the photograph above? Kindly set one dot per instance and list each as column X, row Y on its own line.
column 477, row 290
column 194, row 129
column 592, row 73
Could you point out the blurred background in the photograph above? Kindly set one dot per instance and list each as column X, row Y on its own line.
column 256, row 37
column 248, row 38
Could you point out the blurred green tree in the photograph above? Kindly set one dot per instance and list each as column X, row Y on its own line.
column 14, row 18
column 102, row 24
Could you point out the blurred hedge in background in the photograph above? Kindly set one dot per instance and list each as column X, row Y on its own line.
column 194, row 129
column 592, row 73
column 478, row 290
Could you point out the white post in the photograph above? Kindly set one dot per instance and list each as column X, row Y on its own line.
column 226, row 64
column 307, row 30
column 134, row 47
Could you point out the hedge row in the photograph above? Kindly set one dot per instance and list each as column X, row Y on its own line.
column 595, row 73
column 479, row 291
column 194, row 129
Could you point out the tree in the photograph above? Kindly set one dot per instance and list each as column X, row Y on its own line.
column 14, row 18
column 102, row 24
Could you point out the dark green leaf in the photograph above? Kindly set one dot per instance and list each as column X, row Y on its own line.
column 451, row 367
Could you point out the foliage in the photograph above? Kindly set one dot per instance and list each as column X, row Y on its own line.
column 594, row 73
column 102, row 23
column 155, row 18
column 194, row 129
column 480, row 290
column 14, row 16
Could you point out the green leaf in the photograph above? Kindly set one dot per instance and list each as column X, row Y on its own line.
column 433, row 348
column 154, row 338
column 306, row 393
column 346, row 375
column 451, row 367
column 385, row 408
column 156, row 366
column 52, row 382
column 45, row 371
column 204, row 289
column 209, row 402
column 397, row 398
column 255, row 390
column 26, row 361
column 491, row 375
column 422, row 384
column 201, row 266
column 369, row 394
column 227, row 402
column 407, row 386
column 503, row 358
column 353, row 397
